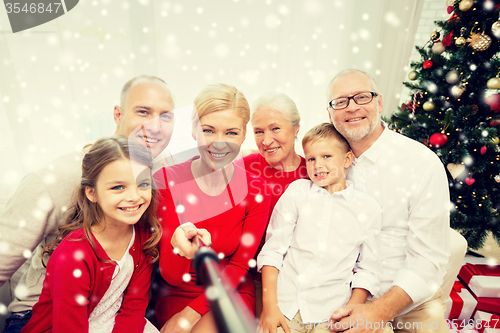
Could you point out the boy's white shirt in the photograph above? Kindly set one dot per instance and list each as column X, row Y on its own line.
column 316, row 240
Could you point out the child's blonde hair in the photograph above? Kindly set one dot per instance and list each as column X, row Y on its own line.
column 85, row 213
column 325, row 131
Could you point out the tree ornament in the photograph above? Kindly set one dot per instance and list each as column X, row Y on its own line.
column 465, row 5
column 494, row 102
column 493, row 83
column 450, row 3
column 412, row 75
column 429, row 105
column 497, row 178
column 427, row 64
column 461, row 41
column 438, row 140
column 473, row 109
column 455, row 169
column 413, row 105
column 495, row 26
column 494, row 123
column 469, row 181
column 480, row 42
column 447, row 39
column 438, row 48
column 495, row 140
column 483, row 150
column 457, row 91
column 435, row 35
column 452, row 77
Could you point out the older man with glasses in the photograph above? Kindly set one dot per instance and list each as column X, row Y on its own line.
column 410, row 183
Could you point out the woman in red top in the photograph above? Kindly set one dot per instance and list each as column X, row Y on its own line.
column 215, row 193
column 276, row 123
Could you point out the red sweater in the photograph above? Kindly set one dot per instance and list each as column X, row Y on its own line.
column 277, row 182
column 68, row 297
column 236, row 220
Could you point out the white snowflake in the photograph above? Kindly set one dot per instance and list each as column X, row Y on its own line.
column 247, row 239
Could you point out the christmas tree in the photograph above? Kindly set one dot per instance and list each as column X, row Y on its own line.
column 454, row 110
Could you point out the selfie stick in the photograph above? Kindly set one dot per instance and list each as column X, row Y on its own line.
column 229, row 316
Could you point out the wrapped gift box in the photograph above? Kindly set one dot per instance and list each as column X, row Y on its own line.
column 469, row 270
column 485, row 286
column 480, row 261
column 486, row 321
column 460, row 304
column 484, row 279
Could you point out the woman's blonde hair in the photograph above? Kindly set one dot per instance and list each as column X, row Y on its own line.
column 220, row 97
column 85, row 213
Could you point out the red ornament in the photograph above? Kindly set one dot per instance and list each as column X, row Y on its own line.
column 483, row 150
column 450, row 9
column 428, row 64
column 469, row 181
column 447, row 39
column 454, row 18
column 438, row 140
column 493, row 123
column 494, row 102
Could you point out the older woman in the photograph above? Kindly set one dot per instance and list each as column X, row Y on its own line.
column 214, row 193
column 276, row 123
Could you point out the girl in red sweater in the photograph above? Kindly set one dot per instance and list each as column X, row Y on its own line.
column 98, row 277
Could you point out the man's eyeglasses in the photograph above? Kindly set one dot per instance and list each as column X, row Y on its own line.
column 360, row 99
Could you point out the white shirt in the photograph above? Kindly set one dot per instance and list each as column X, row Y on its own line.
column 410, row 184
column 315, row 240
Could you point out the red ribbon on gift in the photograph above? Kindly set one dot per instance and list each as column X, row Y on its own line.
column 457, row 303
column 469, row 270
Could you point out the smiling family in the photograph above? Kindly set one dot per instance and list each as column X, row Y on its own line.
column 357, row 231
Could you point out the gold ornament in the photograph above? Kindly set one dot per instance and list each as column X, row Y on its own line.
column 455, row 169
column 460, row 41
column 465, row 5
column 429, row 106
column 452, row 77
column 493, row 83
column 495, row 26
column 435, row 35
column 495, row 140
column 457, row 91
column 412, row 75
column 480, row 42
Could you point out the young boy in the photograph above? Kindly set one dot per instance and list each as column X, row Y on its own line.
column 321, row 248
